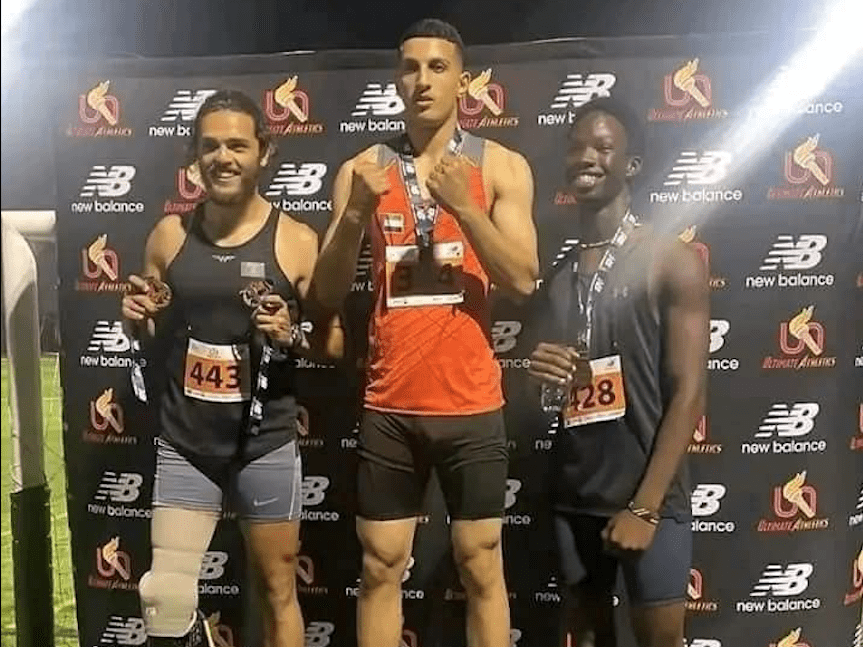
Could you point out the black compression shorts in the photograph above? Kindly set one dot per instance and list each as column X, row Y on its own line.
column 397, row 453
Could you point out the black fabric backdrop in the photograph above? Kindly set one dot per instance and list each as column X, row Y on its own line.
column 779, row 235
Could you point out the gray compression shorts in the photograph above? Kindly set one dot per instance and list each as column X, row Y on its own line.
column 268, row 489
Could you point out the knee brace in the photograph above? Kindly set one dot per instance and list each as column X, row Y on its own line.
column 169, row 602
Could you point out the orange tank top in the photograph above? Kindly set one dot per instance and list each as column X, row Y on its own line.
column 430, row 347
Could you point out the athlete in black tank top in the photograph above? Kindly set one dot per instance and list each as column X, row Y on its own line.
column 202, row 414
column 235, row 273
column 626, row 326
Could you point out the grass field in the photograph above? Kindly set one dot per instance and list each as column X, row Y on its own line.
column 65, row 627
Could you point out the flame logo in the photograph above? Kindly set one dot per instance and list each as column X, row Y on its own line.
column 684, row 79
column 799, row 328
column 804, row 157
column 222, row 636
column 687, row 235
column 105, row 403
column 97, row 100
column 858, row 575
column 793, row 492
column 193, row 174
column 478, row 89
column 96, row 253
column 284, row 96
column 109, row 551
column 791, row 639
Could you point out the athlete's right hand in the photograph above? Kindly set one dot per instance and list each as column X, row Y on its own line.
column 138, row 305
column 368, row 183
column 558, row 365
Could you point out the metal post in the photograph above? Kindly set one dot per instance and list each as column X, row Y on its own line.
column 31, row 512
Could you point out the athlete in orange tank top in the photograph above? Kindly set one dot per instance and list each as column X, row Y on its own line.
column 429, row 339
column 448, row 215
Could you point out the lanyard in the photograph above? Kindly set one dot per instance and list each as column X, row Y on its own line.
column 599, row 281
column 425, row 212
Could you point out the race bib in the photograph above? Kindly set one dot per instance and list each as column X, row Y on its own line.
column 217, row 372
column 430, row 278
column 603, row 399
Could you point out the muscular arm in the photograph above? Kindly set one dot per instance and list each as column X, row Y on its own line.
column 163, row 244
column 685, row 308
column 299, row 243
column 336, row 265
column 506, row 242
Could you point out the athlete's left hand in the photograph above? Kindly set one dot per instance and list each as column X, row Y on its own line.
column 272, row 318
column 627, row 533
column 449, row 183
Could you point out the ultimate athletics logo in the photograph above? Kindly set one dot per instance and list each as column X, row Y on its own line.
column 795, row 506
column 484, row 104
column 808, row 173
column 100, row 268
column 107, row 421
column 190, row 190
column 98, row 114
column 113, row 568
column 691, row 238
column 687, row 94
column 287, row 110
column 802, row 343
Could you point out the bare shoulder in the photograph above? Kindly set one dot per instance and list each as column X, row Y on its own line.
column 169, row 231
column 505, row 166
column 679, row 264
column 293, row 230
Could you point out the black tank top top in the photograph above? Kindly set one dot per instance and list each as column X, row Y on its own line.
column 205, row 403
column 599, row 466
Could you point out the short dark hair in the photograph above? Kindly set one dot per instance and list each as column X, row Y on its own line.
column 235, row 101
column 434, row 28
column 635, row 144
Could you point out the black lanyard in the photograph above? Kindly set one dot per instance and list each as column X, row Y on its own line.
column 598, row 282
column 425, row 213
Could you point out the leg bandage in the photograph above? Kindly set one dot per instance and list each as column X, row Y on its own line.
column 169, row 590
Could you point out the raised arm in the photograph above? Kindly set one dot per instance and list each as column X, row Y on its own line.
column 505, row 238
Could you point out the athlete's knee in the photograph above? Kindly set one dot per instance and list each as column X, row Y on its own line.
column 383, row 564
column 479, row 564
column 279, row 583
column 169, row 601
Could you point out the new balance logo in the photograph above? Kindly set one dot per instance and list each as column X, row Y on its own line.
column 512, row 488
column 108, row 181
column 578, row 89
column 709, row 168
column 293, row 179
column 782, row 581
column 108, row 337
column 124, row 631
column 718, row 329
column 185, row 104
column 314, row 490
column 788, row 421
column 124, row 487
column 504, row 335
column 379, row 100
column 706, row 499
column 213, row 565
column 860, row 500
column 788, row 254
column 318, row 634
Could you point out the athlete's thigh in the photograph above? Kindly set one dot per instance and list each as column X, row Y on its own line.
column 386, row 543
column 393, row 469
column 273, row 546
column 659, row 575
column 471, row 461
column 179, row 484
column 268, row 489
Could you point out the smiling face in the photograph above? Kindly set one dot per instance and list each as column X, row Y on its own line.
column 430, row 79
column 229, row 156
column 597, row 164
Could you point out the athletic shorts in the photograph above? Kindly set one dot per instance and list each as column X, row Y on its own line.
column 397, row 453
column 655, row 577
column 267, row 489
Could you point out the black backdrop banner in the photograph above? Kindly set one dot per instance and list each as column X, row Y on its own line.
column 777, row 461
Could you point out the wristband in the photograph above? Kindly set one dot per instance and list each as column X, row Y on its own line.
column 644, row 514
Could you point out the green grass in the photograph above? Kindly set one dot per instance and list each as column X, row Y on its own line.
column 65, row 627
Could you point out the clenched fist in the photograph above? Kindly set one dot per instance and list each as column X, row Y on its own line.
column 449, row 183
column 368, row 183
